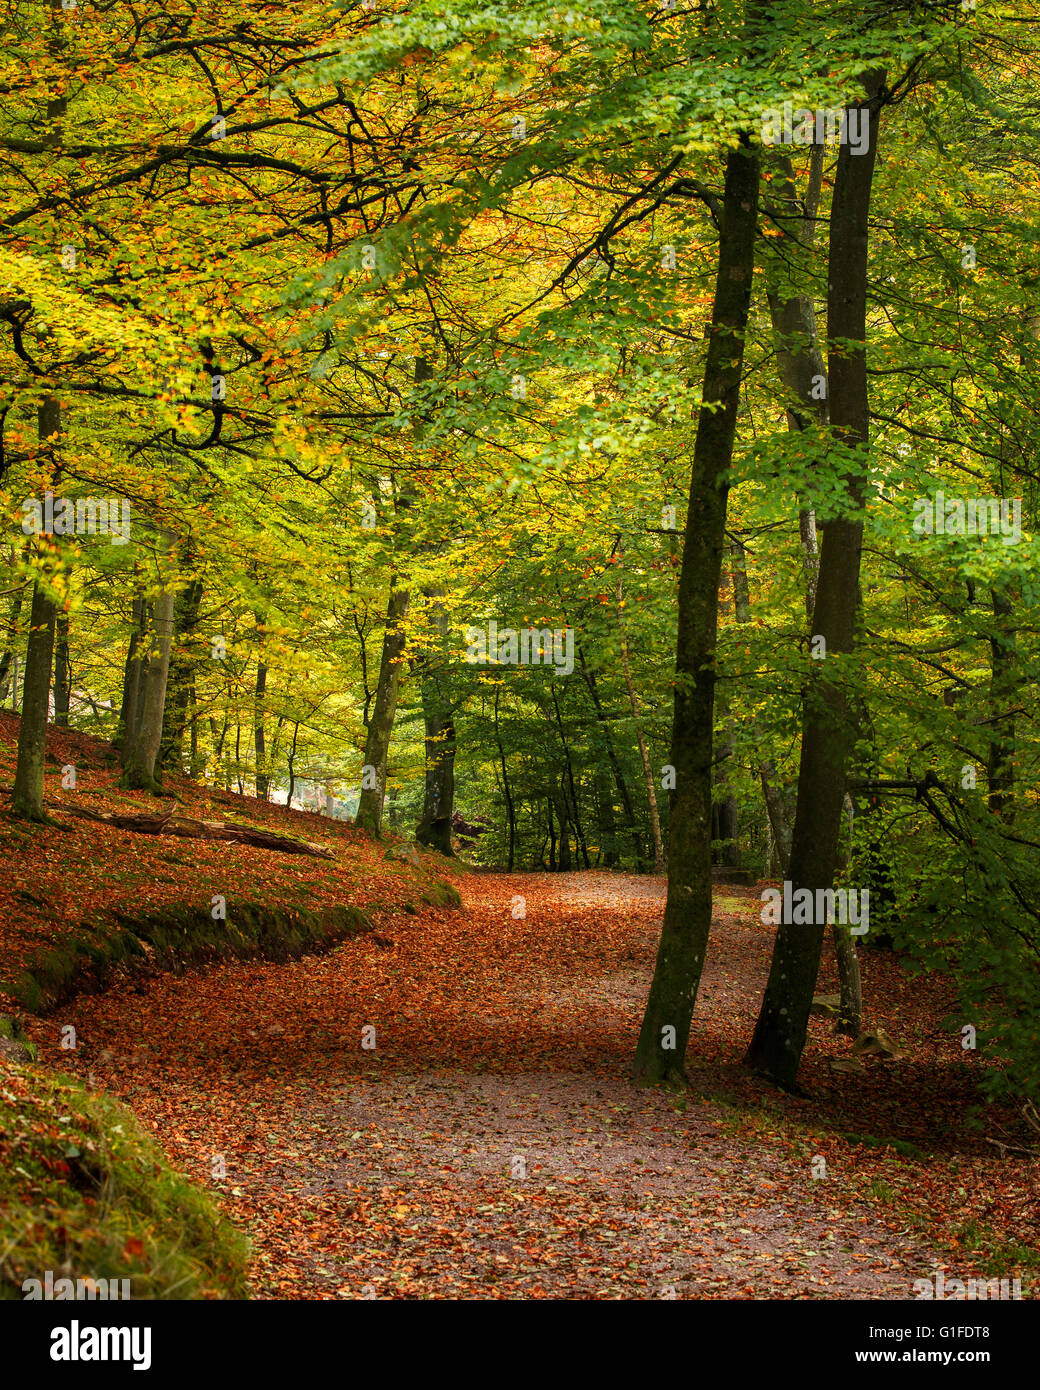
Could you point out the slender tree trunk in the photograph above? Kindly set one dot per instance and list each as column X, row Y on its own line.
column 507, row 793
column 605, row 820
column 1004, row 684
column 62, row 670
column 661, row 1049
column 180, row 695
column 27, row 797
column 615, row 766
column 27, row 800
column 828, row 723
column 292, row 766
column 644, row 756
column 384, row 709
column 778, row 801
column 262, row 780
column 438, row 716
column 7, row 659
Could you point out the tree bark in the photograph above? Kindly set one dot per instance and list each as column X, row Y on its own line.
column 828, row 722
column 1004, row 684
column 7, row 659
column 661, row 1050
column 615, row 766
column 62, row 670
column 644, row 757
column 438, row 717
column 384, row 709
column 506, row 791
column 27, row 796
column 141, row 760
column 127, row 730
column 180, row 695
column 262, row 780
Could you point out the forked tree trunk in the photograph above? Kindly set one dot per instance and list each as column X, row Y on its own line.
column 661, row 1050
column 828, row 721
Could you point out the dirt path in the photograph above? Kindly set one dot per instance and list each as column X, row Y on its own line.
column 490, row 1144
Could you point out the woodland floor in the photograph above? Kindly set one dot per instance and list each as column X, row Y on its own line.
column 502, row 1048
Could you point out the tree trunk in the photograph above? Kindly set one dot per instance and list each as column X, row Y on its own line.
column 644, row 756
column 8, row 658
column 27, row 797
column 180, row 696
column 262, row 780
column 141, row 761
column 778, row 801
column 439, row 793
column 661, row 1050
column 1004, row 684
column 507, row 793
column 615, row 766
column 384, row 709
column 127, row 730
column 828, row 724
column 62, row 670
column 27, row 800
column 439, row 803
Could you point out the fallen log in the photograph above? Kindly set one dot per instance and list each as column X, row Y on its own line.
column 188, row 828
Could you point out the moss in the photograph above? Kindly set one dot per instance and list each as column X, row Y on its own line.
column 86, row 1193
column 174, row 937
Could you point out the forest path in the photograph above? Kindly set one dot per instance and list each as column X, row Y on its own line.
column 491, row 1144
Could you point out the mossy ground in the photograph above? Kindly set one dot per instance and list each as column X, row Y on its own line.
column 87, row 1194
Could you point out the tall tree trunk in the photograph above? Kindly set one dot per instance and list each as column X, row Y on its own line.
column 828, row 721
column 1004, row 683
column 779, row 802
column 507, row 793
column 127, row 730
column 180, row 694
column 661, row 1050
column 439, row 801
column 384, row 708
column 27, row 799
column 438, row 716
column 9, row 657
column 262, row 780
column 62, row 670
column 615, row 766
column 27, row 796
column 568, row 785
column 141, row 761
column 644, row 756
